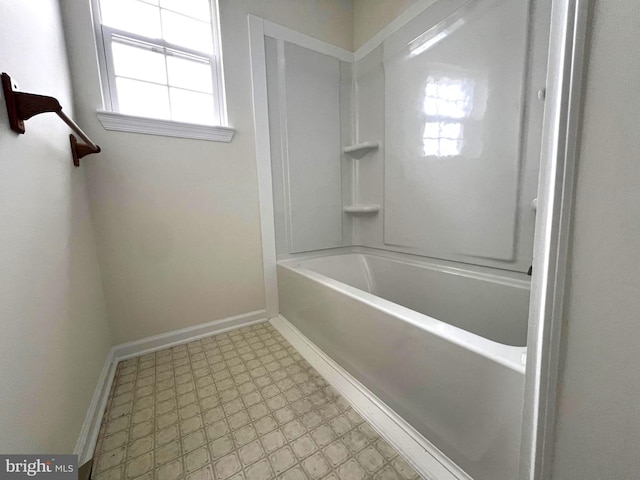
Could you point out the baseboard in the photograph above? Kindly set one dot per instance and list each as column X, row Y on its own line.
column 185, row 335
column 417, row 450
column 91, row 426
column 88, row 437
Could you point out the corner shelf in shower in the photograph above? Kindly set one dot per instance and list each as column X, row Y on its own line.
column 371, row 209
column 361, row 149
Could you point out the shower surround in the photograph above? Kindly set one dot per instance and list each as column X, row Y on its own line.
column 403, row 181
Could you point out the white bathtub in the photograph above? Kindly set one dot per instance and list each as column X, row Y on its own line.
column 443, row 347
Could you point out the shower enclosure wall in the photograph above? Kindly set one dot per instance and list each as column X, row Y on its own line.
column 409, row 173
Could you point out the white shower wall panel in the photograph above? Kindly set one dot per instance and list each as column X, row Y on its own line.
column 471, row 206
column 280, row 200
column 304, row 117
column 454, row 114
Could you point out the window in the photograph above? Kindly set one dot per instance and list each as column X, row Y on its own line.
column 161, row 60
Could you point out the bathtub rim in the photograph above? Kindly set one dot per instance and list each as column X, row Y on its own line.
column 512, row 357
column 478, row 272
column 518, row 278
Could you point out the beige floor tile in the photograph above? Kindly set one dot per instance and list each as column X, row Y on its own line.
column 114, row 441
column 244, row 435
column 193, row 440
column 169, row 471
column 323, row 435
column 282, row 459
column 116, row 473
column 259, row 471
column 168, row 452
column 205, row 473
column 227, row 466
column 351, row 470
column 273, row 440
column 217, row 430
column 316, row 466
column 140, row 446
column 370, row 459
column 110, row 459
column 336, row 453
column 304, row 446
column 167, row 435
column 139, row 465
column 387, row 473
column 221, row 447
column 295, row 473
column 196, row 459
column 404, row 469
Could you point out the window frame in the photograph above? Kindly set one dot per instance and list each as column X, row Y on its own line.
column 112, row 119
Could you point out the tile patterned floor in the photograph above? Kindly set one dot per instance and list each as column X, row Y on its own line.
column 238, row 405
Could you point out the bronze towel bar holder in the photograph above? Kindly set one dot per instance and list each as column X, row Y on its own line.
column 22, row 106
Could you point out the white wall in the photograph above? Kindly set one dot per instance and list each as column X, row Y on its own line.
column 598, row 422
column 328, row 20
column 370, row 16
column 54, row 335
column 177, row 221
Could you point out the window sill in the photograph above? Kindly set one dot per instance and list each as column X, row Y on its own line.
column 167, row 128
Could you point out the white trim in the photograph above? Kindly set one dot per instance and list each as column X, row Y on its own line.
column 185, row 335
column 101, row 54
column 219, row 65
column 263, row 162
column 283, row 33
column 555, row 192
column 392, row 27
column 167, row 128
column 93, row 419
column 88, row 436
column 416, row 449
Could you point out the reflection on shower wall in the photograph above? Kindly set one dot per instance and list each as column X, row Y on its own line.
column 452, row 96
column 305, row 122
